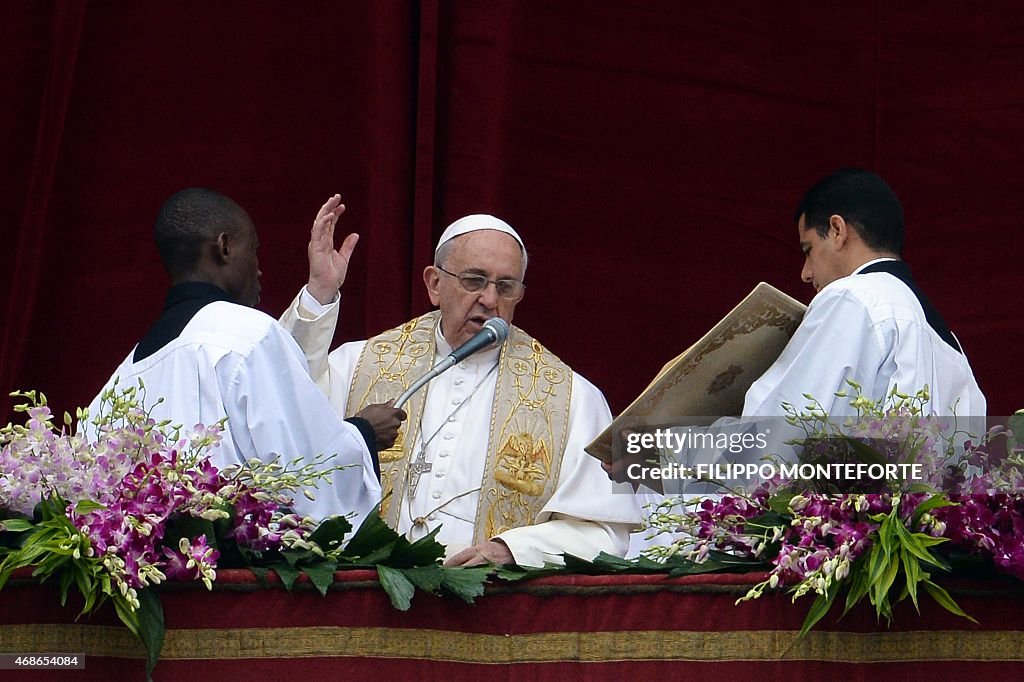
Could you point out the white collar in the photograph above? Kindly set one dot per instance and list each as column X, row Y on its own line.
column 871, row 262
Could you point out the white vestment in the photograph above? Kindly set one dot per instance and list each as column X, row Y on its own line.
column 583, row 517
column 869, row 328
column 237, row 362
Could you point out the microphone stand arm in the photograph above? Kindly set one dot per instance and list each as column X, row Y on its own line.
column 440, row 367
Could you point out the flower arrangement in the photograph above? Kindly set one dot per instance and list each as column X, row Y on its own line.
column 139, row 503
column 885, row 542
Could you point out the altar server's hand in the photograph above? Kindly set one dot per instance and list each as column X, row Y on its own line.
column 385, row 420
column 327, row 267
column 490, row 552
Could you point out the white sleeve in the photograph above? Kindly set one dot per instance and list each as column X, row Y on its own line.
column 533, row 545
column 274, row 408
column 312, row 326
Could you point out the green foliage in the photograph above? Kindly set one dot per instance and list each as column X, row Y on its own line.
column 896, row 553
column 56, row 549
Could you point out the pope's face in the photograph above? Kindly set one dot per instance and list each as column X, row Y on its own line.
column 822, row 263
column 490, row 253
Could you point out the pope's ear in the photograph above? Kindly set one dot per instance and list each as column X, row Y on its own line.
column 432, row 280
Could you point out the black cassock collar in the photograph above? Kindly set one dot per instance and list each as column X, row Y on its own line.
column 181, row 305
column 901, row 271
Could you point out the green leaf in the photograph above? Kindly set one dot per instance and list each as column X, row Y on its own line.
column 427, row 550
column 465, row 583
column 927, row 540
column 780, row 503
column 151, row 626
column 398, row 587
column 66, row 578
column 129, row 617
column 859, row 584
column 427, row 578
column 90, row 592
column 380, row 555
column 876, row 563
column 945, row 601
column 933, row 502
column 880, row 591
column 86, row 506
column 915, row 544
column 293, row 556
column 912, row 571
column 864, row 452
column 331, row 532
column 287, row 573
column 887, row 533
column 321, row 574
column 575, row 564
column 514, row 573
column 1016, row 425
column 611, row 562
column 372, row 534
column 15, row 525
column 819, row 608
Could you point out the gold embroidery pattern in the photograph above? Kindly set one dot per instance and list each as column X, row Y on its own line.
column 389, row 363
column 532, row 406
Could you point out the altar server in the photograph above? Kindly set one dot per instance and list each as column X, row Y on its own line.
column 211, row 355
column 869, row 322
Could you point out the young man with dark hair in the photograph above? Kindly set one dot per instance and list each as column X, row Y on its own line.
column 869, row 322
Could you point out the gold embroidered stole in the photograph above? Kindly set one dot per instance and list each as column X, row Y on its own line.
column 528, row 430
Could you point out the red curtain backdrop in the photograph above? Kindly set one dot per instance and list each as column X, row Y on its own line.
column 651, row 154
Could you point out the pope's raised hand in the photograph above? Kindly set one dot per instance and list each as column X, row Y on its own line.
column 328, row 267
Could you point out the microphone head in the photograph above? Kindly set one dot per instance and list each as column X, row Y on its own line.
column 499, row 328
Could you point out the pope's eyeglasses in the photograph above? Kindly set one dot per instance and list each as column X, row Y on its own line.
column 509, row 288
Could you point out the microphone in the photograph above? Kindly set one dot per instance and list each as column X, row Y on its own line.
column 494, row 332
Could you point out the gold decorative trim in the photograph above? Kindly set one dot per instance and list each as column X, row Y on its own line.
column 531, row 404
column 389, row 363
column 543, row 647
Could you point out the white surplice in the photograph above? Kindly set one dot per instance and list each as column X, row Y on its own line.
column 869, row 328
column 586, row 515
column 236, row 362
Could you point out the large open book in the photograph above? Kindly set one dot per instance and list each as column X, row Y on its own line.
column 710, row 378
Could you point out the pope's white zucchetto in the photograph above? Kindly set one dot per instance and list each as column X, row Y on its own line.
column 474, row 223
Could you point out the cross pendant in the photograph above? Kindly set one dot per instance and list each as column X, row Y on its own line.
column 418, row 467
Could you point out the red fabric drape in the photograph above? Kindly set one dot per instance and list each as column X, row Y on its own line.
column 49, row 40
column 557, row 628
column 650, row 153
